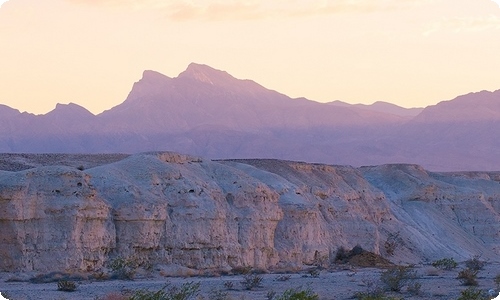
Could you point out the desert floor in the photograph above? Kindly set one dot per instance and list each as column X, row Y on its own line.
column 333, row 284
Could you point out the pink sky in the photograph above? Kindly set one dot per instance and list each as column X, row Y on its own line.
column 90, row 52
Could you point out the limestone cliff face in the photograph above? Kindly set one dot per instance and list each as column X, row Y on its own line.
column 167, row 208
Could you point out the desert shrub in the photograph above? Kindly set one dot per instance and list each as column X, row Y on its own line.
column 270, row 295
column 6, row 295
column 124, row 268
column 414, row 288
column 294, row 294
column 445, row 264
column 66, row 286
column 497, row 280
column 251, row 281
column 113, row 296
column 242, row 270
column 472, row 293
column 283, row 277
column 395, row 278
column 391, row 243
column 229, row 285
column 217, row 294
column 376, row 295
column 475, row 264
column 186, row 291
column 468, row 277
column 342, row 255
column 314, row 273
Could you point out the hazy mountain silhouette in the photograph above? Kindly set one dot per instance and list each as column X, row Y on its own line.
column 383, row 107
column 210, row 113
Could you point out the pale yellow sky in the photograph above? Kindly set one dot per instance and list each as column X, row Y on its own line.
column 90, row 52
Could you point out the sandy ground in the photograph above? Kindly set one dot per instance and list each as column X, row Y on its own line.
column 337, row 284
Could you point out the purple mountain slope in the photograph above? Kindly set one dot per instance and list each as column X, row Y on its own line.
column 208, row 112
column 473, row 107
column 203, row 96
column 383, row 107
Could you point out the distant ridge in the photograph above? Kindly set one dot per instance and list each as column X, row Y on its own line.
column 210, row 113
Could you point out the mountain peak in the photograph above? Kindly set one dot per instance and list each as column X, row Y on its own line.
column 153, row 76
column 206, row 74
column 70, row 109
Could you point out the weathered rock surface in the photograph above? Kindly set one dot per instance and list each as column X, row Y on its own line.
column 191, row 213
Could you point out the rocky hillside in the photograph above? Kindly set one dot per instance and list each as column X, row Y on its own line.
column 177, row 210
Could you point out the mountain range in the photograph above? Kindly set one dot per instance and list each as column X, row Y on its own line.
column 209, row 113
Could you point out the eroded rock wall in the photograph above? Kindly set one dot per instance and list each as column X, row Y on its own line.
column 173, row 209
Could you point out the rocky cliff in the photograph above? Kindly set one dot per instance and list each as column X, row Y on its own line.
column 173, row 209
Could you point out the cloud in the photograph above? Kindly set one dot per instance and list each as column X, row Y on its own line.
column 213, row 10
column 497, row 2
column 465, row 24
column 2, row 2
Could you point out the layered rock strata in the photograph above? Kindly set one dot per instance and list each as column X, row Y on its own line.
column 172, row 209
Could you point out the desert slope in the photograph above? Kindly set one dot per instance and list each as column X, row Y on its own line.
column 171, row 209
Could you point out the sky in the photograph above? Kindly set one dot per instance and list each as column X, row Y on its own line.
column 412, row 53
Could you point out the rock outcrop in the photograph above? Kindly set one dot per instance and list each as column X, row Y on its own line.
column 177, row 210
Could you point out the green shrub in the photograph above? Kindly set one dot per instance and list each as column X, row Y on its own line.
column 414, row 288
column 445, row 264
column 295, row 294
column 186, row 291
column 468, row 277
column 229, row 285
column 251, row 281
column 124, row 268
column 283, row 277
column 497, row 280
column 475, row 264
column 378, row 295
column 472, row 293
column 395, row 278
column 314, row 273
column 217, row 294
column 391, row 243
column 66, row 286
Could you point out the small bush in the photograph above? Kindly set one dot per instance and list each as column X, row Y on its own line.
column 472, row 293
column 497, row 280
column 242, row 270
column 468, row 277
column 124, row 268
column 229, row 285
column 445, row 264
column 314, row 273
column 395, row 278
column 66, row 286
column 218, row 295
column 251, row 281
column 475, row 264
column 376, row 295
column 113, row 296
column 414, row 288
column 296, row 294
column 342, row 255
column 283, row 277
column 270, row 295
column 184, row 292
column 391, row 243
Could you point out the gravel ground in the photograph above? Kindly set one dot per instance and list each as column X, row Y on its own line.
column 337, row 284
